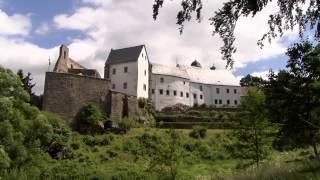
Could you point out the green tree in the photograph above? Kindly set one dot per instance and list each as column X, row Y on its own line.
column 251, row 81
column 293, row 97
column 253, row 138
column 25, row 130
column 27, row 84
column 27, row 81
column 224, row 21
column 164, row 151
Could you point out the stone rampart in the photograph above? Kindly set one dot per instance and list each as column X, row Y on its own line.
column 65, row 94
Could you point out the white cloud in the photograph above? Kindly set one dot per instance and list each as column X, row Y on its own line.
column 30, row 58
column 262, row 74
column 97, row 2
column 115, row 24
column 119, row 23
column 16, row 24
column 43, row 29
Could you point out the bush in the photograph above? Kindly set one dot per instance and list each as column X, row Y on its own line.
column 102, row 140
column 90, row 114
column 142, row 102
column 88, row 119
column 198, row 132
column 126, row 124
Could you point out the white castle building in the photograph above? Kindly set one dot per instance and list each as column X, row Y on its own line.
column 131, row 72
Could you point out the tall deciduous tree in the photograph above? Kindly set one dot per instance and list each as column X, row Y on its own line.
column 293, row 97
column 290, row 14
column 253, row 137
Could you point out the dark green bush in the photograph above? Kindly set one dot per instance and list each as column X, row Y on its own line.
column 101, row 140
column 75, row 145
column 198, row 132
column 88, row 119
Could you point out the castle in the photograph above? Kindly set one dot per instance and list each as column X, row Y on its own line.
column 128, row 76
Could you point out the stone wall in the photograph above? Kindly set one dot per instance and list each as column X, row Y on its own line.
column 65, row 94
column 121, row 105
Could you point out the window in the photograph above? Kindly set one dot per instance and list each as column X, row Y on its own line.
column 195, row 96
column 113, row 86
column 235, row 91
column 181, row 94
column 201, row 97
column 217, row 90
column 125, row 70
column 187, row 95
column 216, row 101
column 174, row 93
column 220, row 101
column 142, row 55
column 184, row 83
column 144, row 87
column 145, row 72
column 125, row 85
column 228, row 91
column 160, row 91
column 200, row 88
column 161, row 79
column 168, row 92
column 228, row 101
column 71, row 66
column 114, row 71
column 64, row 54
column 152, row 91
column 235, row 102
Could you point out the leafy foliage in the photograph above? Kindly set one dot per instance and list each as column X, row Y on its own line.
column 293, row 97
column 253, row 138
column 198, row 132
column 252, row 81
column 88, row 119
column 290, row 13
column 25, row 130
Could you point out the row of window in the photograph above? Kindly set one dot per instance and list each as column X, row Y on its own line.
column 125, row 86
column 219, row 101
column 216, row 101
column 161, row 92
column 125, row 70
column 201, row 88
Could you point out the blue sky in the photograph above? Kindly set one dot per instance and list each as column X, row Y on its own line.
column 36, row 28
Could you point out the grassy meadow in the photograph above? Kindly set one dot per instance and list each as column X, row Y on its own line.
column 111, row 156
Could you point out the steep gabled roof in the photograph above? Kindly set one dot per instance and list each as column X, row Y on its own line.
column 124, row 55
column 75, row 62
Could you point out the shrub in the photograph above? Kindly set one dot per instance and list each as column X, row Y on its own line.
column 126, row 124
column 75, row 145
column 102, row 140
column 88, row 119
column 5, row 160
column 142, row 102
column 89, row 114
column 198, row 132
column 203, row 106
